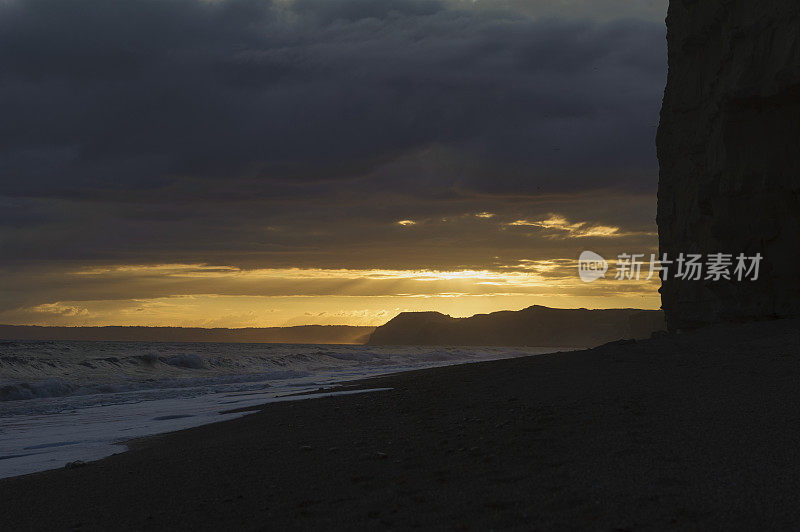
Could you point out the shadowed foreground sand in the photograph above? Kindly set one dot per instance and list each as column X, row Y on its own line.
column 697, row 430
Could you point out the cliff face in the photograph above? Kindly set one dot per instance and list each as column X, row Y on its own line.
column 729, row 152
column 534, row 326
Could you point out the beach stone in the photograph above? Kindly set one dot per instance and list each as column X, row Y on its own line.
column 729, row 155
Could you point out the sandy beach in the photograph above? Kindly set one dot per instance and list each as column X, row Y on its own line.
column 696, row 431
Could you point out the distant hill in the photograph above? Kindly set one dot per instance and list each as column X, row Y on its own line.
column 304, row 334
column 534, row 326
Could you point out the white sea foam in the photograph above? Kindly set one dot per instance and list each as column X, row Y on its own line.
column 64, row 401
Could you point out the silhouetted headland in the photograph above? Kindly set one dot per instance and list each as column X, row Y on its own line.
column 534, row 326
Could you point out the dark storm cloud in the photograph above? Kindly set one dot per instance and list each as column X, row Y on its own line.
column 603, row 10
column 296, row 134
column 137, row 94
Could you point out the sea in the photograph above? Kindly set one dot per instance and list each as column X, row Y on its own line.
column 68, row 401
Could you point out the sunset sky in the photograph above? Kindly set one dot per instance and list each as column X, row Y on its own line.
column 263, row 163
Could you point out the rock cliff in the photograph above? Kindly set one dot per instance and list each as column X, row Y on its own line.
column 729, row 153
column 534, row 326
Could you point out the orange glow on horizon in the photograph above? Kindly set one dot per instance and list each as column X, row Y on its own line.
column 200, row 295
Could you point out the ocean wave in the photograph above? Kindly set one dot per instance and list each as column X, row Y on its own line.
column 19, row 391
column 41, row 370
column 190, row 361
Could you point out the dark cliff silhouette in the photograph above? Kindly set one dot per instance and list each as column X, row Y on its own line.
column 729, row 155
column 534, row 326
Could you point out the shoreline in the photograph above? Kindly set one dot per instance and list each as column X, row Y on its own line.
column 74, row 431
column 694, row 430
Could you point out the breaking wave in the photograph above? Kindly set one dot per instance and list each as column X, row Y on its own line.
column 40, row 377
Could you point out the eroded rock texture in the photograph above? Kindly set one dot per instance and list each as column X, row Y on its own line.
column 729, row 151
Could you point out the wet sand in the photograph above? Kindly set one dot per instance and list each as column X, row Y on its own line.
column 698, row 430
